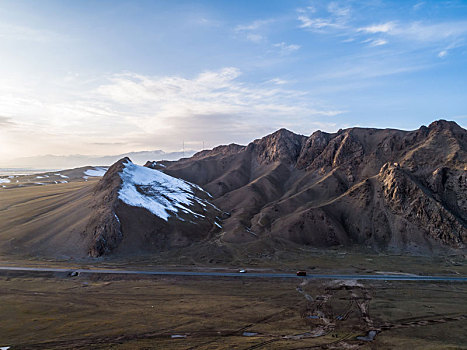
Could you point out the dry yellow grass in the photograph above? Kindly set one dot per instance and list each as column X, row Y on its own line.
column 58, row 312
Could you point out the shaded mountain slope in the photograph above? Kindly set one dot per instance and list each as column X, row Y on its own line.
column 384, row 188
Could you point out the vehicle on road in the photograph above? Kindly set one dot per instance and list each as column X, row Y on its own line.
column 301, row 273
column 242, row 271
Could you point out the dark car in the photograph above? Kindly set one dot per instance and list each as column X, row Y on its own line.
column 301, row 273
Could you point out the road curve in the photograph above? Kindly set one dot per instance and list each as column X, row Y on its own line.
column 237, row 274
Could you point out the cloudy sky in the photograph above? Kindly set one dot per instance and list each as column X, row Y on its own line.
column 110, row 76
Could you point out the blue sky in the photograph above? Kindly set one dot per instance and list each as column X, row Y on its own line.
column 107, row 77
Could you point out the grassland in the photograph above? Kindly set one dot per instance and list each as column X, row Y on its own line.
column 55, row 311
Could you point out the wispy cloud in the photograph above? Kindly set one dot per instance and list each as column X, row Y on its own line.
column 431, row 32
column 363, row 67
column 418, row 5
column 253, row 30
column 376, row 42
column 253, row 25
column 257, row 32
column 339, row 11
column 334, row 16
column 339, row 21
column 286, row 48
column 377, row 28
column 278, row 81
column 316, row 23
column 419, row 31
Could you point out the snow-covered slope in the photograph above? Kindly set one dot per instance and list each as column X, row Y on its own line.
column 138, row 209
column 161, row 194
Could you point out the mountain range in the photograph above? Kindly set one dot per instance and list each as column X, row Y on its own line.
column 384, row 188
column 381, row 189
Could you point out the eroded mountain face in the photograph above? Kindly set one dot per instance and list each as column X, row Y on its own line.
column 388, row 189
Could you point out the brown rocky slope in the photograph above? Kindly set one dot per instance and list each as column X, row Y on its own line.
column 382, row 188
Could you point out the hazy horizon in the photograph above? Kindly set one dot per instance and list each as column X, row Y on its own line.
column 55, row 162
column 109, row 77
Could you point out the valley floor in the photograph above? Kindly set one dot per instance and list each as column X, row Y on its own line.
column 56, row 311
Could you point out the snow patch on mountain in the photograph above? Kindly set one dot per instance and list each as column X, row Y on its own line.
column 161, row 194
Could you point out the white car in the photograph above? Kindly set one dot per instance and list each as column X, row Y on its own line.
column 242, row 271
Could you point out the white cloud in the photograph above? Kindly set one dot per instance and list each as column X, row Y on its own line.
column 286, row 48
column 335, row 9
column 253, row 26
column 453, row 45
column 423, row 34
column 442, row 54
column 378, row 28
column 278, row 81
column 212, row 92
column 252, row 31
column 135, row 112
column 316, row 23
column 333, row 16
column 419, row 31
column 306, row 21
column 340, row 21
column 378, row 42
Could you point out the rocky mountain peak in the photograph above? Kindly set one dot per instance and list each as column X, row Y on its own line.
column 223, row 150
column 111, row 179
column 282, row 145
column 442, row 124
column 312, row 148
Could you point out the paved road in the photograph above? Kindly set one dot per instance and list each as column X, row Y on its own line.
column 395, row 277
